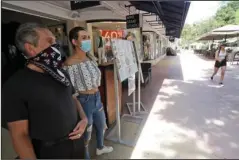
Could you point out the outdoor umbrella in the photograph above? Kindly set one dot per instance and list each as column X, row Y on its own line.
column 218, row 36
column 227, row 28
column 228, row 31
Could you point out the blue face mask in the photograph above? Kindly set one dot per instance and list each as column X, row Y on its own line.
column 86, row 45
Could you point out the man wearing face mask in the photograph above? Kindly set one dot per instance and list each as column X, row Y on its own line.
column 86, row 77
column 44, row 117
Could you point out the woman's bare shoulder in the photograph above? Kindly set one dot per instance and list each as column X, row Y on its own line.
column 72, row 60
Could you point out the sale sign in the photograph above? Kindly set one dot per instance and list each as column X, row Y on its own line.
column 112, row 33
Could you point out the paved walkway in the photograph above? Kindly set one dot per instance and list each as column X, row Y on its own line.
column 191, row 116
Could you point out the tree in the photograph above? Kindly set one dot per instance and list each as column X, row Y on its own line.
column 228, row 13
column 234, row 5
column 237, row 17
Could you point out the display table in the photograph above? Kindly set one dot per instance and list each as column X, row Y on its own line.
column 107, row 91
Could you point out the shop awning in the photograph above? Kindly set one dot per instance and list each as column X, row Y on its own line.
column 171, row 13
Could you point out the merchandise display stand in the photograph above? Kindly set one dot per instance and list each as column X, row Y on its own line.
column 115, row 133
column 127, row 120
column 140, row 107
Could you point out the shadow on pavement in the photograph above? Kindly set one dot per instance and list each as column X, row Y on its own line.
column 188, row 119
column 169, row 67
column 197, row 119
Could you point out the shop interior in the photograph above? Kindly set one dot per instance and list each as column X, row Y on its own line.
column 152, row 45
column 102, row 33
column 12, row 59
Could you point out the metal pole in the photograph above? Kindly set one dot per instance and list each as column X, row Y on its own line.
column 134, row 99
column 117, row 103
column 139, row 81
column 134, row 103
column 237, row 39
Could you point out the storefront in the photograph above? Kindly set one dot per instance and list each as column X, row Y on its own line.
column 63, row 19
column 171, row 15
column 60, row 18
column 152, row 45
column 102, row 33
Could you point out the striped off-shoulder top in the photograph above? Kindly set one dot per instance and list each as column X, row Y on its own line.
column 84, row 75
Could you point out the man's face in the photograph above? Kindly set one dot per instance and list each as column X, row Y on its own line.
column 46, row 39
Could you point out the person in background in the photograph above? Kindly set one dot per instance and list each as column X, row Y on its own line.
column 86, row 77
column 44, row 118
column 220, row 62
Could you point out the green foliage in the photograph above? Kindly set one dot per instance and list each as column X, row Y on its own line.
column 237, row 17
column 228, row 13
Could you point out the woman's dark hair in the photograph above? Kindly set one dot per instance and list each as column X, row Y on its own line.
column 222, row 44
column 73, row 34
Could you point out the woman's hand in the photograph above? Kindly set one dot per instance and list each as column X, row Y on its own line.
column 218, row 60
column 216, row 56
column 79, row 129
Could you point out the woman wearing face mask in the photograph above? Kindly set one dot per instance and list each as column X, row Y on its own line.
column 221, row 62
column 86, row 77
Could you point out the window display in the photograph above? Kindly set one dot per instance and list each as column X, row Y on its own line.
column 147, row 46
column 112, row 33
column 99, row 47
column 135, row 35
column 102, row 40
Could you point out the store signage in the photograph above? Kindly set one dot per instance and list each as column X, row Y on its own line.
column 133, row 21
column 75, row 5
column 112, row 33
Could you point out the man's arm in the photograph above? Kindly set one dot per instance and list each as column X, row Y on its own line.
column 81, row 126
column 79, row 108
column 21, row 140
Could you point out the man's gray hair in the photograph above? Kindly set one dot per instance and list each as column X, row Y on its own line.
column 27, row 33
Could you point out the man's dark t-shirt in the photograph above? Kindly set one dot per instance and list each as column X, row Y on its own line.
column 46, row 103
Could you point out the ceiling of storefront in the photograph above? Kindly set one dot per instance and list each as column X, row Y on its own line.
column 66, row 5
column 110, row 25
column 63, row 4
column 111, row 10
column 12, row 16
column 107, row 9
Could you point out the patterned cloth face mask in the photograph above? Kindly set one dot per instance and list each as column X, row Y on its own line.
column 50, row 61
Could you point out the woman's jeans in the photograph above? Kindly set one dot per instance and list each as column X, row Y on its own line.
column 94, row 111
